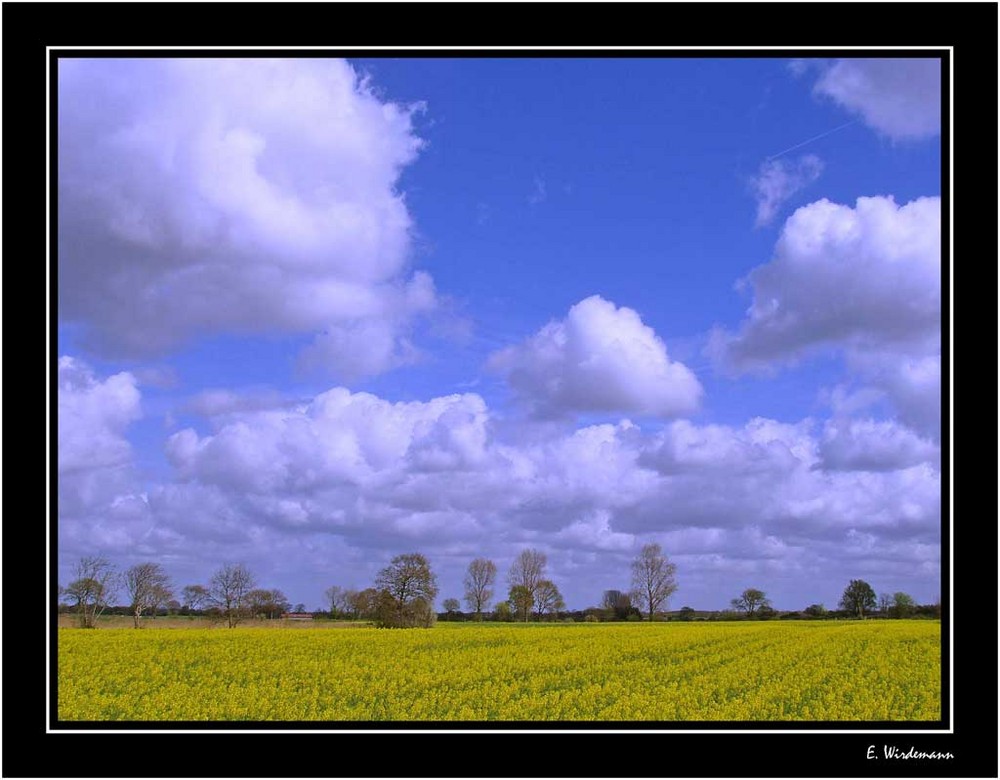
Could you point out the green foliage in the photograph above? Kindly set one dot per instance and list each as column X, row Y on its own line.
column 858, row 598
column 406, row 591
column 751, row 601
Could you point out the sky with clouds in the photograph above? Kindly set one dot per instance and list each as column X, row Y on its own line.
column 316, row 313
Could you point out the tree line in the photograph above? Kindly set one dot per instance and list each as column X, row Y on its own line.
column 403, row 594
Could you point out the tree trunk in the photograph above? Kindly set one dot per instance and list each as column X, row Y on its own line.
column 135, row 617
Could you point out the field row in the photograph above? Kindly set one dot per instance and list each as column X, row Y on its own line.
column 859, row 671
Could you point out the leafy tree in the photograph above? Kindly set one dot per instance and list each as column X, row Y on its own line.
column 686, row 613
column 902, row 605
column 521, row 601
column 548, row 599
column 858, row 598
column 94, row 588
column 653, row 579
column 479, row 581
column 750, row 601
column 228, row 591
column 195, row 596
column 617, row 605
column 527, row 571
column 502, row 612
column 815, row 610
column 148, row 587
column 407, row 589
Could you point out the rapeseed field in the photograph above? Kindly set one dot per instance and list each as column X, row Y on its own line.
column 768, row 671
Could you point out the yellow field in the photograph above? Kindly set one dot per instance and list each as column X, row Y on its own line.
column 845, row 670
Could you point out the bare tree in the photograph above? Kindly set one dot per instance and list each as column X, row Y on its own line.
column 407, row 588
column 885, row 603
column 94, row 588
column 548, row 599
column 452, row 606
column 750, row 601
column 361, row 603
column 228, row 591
column 527, row 571
column 263, row 603
column 479, row 581
column 336, row 597
column 653, row 579
column 148, row 586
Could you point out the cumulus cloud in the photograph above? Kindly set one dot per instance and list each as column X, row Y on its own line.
column 865, row 281
column 867, row 277
column 366, row 477
column 337, row 439
column 600, row 358
column 899, row 98
column 246, row 195
column 870, row 445
column 912, row 380
column 778, row 180
column 354, row 478
column 93, row 416
column 100, row 505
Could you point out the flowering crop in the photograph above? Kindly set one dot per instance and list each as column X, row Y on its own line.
column 844, row 670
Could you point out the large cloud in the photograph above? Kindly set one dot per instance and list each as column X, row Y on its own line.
column 247, row 195
column 900, row 98
column 325, row 491
column 362, row 478
column 93, row 417
column 600, row 358
column 100, row 506
column 869, row 445
column 865, row 281
column 867, row 277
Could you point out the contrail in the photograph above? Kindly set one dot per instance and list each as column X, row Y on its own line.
column 814, row 138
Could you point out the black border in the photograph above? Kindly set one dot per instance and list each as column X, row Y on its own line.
column 968, row 27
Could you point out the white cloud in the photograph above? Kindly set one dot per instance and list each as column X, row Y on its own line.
column 867, row 277
column 779, row 180
column 338, row 439
column 870, row 445
column 371, row 478
column 899, row 98
column 600, row 358
column 865, row 281
column 245, row 195
column 100, row 505
column 910, row 379
column 93, row 417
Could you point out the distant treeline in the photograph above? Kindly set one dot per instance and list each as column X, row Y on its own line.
column 404, row 593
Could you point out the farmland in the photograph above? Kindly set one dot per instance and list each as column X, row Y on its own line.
column 744, row 671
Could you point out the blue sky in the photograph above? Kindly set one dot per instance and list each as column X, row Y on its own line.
column 313, row 314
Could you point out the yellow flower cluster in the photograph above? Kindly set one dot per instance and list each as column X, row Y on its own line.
column 844, row 670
